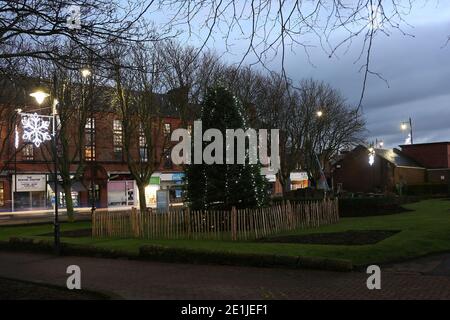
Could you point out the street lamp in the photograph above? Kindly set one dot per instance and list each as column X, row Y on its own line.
column 371, row 156
column 86, row 73
column 319, row 113
column 40, row 96
column 404, row 126
column 36, row 131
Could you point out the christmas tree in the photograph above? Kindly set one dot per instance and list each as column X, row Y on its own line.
column 224, row 185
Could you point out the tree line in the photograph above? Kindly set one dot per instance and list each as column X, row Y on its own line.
column 130, row 63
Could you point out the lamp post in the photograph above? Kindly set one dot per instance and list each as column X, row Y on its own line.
column 404, row 126
column 36, row 131
column 86, row 73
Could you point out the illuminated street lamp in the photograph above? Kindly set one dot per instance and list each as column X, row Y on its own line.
column 319, row 113
column 86, row 73
column 39, row 96
column 404, row 126
column 371, row 156
column 36, row 130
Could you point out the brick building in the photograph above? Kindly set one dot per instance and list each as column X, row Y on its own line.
column 25, row 175
column 433, row 156
column 391, row 167
column 427, row 163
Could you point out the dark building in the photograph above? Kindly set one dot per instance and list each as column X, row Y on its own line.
column 391, row 168
column 425, row 163
column 433, row 156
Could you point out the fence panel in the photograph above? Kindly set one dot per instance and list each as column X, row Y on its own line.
column 234, row 224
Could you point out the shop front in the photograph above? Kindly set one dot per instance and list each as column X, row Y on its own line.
column 299, row 180
column 121, row 193
column 30, row 192
column 174, row 183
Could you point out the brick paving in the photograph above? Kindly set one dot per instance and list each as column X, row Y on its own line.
column 152, row 280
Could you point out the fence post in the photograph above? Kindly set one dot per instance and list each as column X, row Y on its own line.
column 233, row 223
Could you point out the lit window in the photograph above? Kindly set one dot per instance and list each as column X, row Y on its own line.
column 2, row 194
column 167, row 129
column 89, row 138
column 118, row 139
column 28, row 152
column 142, row 145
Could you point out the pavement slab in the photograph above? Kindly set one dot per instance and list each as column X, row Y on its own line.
column 132, row 279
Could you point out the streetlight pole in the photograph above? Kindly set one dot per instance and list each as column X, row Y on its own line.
column 57, row 234
column 405, row 125
column 411, row 130
column 40, row 96
column 86, row 73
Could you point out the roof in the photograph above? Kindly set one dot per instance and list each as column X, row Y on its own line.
column 396, row 157
column 15, row 91
column 424, row 144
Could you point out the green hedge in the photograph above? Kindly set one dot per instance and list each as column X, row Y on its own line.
column 181, row 255
column 185, row 255
column 427, row 189
column 370, row 206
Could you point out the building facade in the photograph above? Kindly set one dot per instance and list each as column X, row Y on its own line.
column 416, row 164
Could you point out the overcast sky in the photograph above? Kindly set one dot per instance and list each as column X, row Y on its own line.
column 416, row 68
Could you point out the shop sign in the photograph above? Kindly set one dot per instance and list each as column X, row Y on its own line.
column 298, row 176
column 32, row 182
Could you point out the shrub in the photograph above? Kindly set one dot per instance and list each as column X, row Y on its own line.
column 370, row 206
column 166, row 254
column 427, row 189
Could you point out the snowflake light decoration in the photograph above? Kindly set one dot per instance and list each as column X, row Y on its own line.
column 36, row 129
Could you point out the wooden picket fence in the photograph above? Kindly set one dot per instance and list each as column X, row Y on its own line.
column 235, row 224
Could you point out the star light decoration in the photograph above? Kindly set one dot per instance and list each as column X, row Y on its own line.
column 36, row 129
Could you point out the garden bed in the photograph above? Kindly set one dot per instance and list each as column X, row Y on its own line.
column 351, row 237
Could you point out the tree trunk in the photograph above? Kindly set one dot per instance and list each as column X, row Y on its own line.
column 142, row 200
column 69, row 203
column 285, row 183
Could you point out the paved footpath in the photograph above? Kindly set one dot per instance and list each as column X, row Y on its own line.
column 152, row 280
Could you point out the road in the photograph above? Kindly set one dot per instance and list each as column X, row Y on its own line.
column 130, row 279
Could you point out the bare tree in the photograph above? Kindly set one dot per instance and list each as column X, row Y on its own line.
column 138, row 105
column 268, row 29
column 39, row 28
column 294, row 110
column 187, row 73
column 75, row 100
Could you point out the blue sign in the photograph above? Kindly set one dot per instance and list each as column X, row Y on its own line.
column 178, row 176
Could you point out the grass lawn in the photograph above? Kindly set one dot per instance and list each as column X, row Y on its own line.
column 424, row 230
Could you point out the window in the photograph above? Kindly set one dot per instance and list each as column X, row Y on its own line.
column 28, row 152
column 118, row 139
column 167, row 129
column 89, row 138
column 2, row 194
column 142, row 145
column 167, row 160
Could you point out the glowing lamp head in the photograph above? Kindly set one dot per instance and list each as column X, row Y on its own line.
column 86, row 72
column 371, row 159
column 319, row 113
column 404, row 126
column 381, row 144
column 39, row 96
